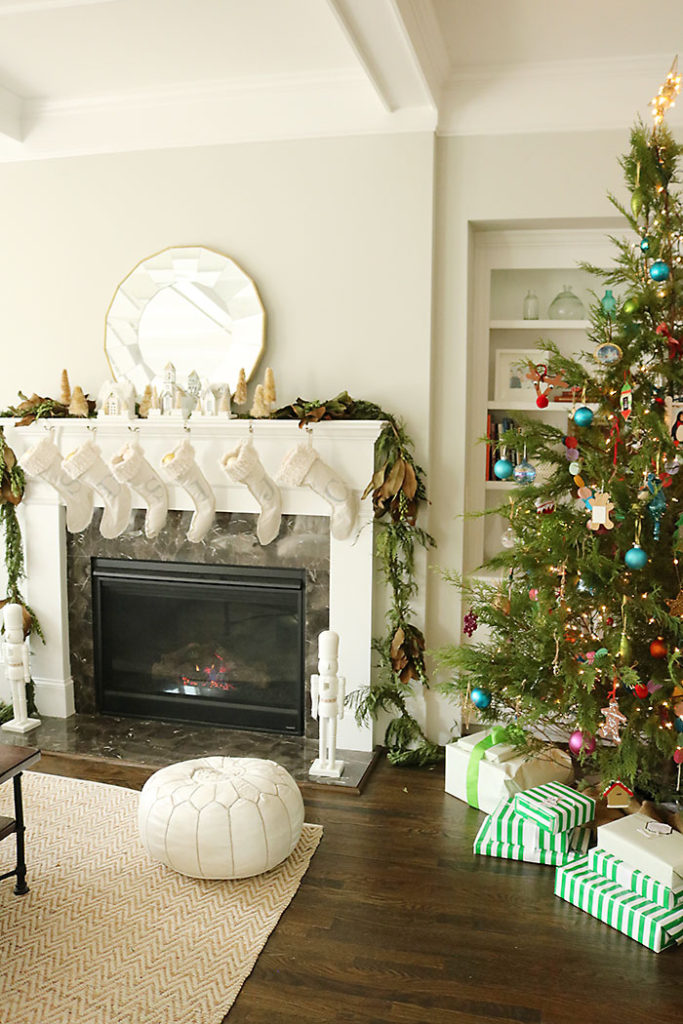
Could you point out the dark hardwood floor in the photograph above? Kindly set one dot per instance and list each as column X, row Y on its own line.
column 397, row 922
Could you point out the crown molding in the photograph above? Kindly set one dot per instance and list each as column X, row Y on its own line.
column 275, row 107
column 576, row 95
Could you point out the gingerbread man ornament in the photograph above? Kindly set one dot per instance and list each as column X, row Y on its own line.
column 600, row 508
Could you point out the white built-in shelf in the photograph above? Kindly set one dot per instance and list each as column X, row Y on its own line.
column 564, row 407
column 499, row 485
column 539, row 325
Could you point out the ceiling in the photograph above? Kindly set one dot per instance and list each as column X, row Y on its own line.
column 97, row 76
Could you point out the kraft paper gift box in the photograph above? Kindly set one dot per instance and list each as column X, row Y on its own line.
column 506, row 826
column 628, row 877
column 640, row 842
column 555, row 807
column 488, row 845
column 623, row 909
column 483, row 767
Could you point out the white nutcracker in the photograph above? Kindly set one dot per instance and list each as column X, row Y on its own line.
column 15, row 657
column 327, row 705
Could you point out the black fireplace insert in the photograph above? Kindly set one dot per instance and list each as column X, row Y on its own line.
column 201, row 643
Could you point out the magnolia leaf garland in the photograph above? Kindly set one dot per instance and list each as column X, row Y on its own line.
column 397, row 488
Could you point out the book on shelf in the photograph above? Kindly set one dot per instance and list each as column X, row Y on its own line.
column 495, row 429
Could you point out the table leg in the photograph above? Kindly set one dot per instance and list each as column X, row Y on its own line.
column 21, row 888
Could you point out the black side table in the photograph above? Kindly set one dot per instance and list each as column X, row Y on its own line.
column 13, row 761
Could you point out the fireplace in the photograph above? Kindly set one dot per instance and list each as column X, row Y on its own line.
column 200, row 643
column 339, row 574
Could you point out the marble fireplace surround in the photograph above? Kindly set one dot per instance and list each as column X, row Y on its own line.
column 347, row 447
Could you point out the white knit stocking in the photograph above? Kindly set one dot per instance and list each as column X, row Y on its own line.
column 130, row 466
column 44, row 461
column 182, row 468
column 303, row 466
column 244, row 466
column 86, row 464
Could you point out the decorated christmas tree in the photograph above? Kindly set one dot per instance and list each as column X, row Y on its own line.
column 585, row 631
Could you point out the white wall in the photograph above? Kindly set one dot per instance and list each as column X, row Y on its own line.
column 544, row 180
column 336, row 233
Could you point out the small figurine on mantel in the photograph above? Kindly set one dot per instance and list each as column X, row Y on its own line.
column 327, row 705
column 17, row 672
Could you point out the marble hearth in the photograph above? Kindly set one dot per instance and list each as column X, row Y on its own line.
column 339, row 573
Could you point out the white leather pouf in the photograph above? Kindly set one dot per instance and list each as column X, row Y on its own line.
column 221, row 817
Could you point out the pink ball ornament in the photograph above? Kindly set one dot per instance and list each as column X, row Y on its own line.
column 533, row 594
column 678, row 755
column 581, row 743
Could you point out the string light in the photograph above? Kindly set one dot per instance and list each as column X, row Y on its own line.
column 666, row 97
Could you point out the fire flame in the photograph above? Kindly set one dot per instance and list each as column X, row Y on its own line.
column 214, row 676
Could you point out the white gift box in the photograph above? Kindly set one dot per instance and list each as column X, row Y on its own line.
column 481, row 772
column 646, row 845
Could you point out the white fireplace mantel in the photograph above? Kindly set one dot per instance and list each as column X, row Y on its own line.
column 348, row 447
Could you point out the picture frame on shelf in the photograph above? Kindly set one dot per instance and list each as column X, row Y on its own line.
column 511, row 383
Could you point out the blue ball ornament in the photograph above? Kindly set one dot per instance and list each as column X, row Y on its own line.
column 635, row 557
column 659, row 271
column 645, row 245
column 503, row 469
column 583, row 416
column 678, row 724
column 480, row 698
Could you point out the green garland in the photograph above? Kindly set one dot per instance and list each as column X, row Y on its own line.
column 397, row 489
column 12, row 484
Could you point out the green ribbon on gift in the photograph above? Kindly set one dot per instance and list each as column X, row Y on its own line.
column 498, row 734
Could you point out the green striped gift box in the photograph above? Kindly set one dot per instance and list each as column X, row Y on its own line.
column 507, row 826
column 623, row 909
column 487, row 845
column 555, row 807
column 609, row 866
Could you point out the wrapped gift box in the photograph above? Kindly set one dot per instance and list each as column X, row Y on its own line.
column 483, row 767
column 555, row 807
column 621, row 908
column 507, row 826
column 635, row 839
column 628, row 877
column 488, row 845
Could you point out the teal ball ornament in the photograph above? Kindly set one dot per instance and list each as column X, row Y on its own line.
column 678, row 724
column 503, row 469
column 583, row 416
column 645, row 245
column 480, row 698
column 635, row 557
column 659, row 271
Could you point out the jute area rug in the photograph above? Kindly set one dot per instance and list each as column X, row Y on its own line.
column 107, row 936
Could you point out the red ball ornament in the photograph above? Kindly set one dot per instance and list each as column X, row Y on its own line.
column 571, row 442
column 678, row 755
column 542, row 402
column 641, row 691
column 658, row 648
